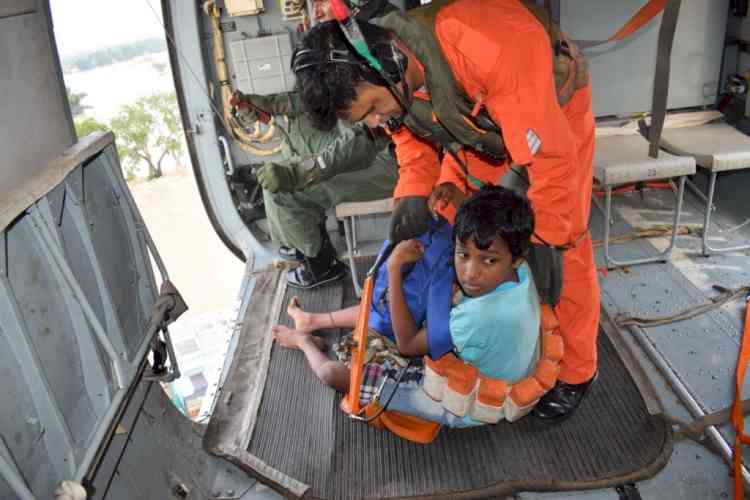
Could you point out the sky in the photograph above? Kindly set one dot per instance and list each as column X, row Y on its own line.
column 83, row 25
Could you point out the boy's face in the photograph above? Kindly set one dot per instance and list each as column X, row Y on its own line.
column 374, row 105
column 481, row 271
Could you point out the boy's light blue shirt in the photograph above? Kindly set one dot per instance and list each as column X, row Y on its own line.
column 499, row 332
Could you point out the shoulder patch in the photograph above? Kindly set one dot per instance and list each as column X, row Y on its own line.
column 533, row 141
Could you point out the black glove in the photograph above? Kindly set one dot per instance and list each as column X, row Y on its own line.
column 410, row 219
column 546, row 265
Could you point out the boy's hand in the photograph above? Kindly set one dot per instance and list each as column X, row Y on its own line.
column 406, row 252
column 443, row 194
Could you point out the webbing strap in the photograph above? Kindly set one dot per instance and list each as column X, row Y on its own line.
column 661, row 75
column 638, row 21
column 725, row 295
column 696, row 429
column 738, row 421
column 359, row 351
column 350, row 404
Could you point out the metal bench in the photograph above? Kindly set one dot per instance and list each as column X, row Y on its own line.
column 347, row 213
column 717, row 147
column 624, row 159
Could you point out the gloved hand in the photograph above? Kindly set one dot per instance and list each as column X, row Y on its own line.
column 290, row 177
column 249, row 108
column 410, row 218
column 546, row 264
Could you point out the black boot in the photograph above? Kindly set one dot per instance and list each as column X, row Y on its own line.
column 561, row 401
column 319, row 270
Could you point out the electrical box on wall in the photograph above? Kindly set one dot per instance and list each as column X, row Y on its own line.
column 243, row 7
column 263, row 65
column 292, row 10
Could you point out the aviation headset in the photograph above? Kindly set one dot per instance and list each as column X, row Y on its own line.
column 392, row 59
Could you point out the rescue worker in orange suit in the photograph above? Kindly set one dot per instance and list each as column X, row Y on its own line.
column 500, row 56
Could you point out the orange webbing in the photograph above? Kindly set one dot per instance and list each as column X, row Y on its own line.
column 350, row 404
column 415, row 429
column 647, row 12
column 738, row 421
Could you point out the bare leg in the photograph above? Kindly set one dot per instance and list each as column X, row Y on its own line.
column 307, row 322
column 332, row 373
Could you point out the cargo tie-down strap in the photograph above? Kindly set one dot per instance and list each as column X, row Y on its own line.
column 635, row 23
column 725, row 295
column 738, row 418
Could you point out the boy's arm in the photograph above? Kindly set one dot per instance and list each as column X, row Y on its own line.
column 409, row 340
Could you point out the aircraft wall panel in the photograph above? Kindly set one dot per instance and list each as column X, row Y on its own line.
column 623, row 73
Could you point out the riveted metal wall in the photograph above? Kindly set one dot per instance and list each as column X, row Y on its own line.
column 76, row 289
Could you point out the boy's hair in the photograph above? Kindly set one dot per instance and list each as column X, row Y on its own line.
column 496, row 212
column 327, row 88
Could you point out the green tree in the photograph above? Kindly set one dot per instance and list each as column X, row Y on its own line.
column 75, row 99
column 148, row 131
column 165, row 107
column 86, row 124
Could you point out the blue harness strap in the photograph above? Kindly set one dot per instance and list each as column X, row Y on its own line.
column 418, row 281
column 439, row 341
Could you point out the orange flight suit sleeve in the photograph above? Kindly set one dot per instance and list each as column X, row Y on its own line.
column 501, row 56
column 418, row 164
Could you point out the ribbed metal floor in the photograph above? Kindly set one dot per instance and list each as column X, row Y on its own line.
column 300, row 432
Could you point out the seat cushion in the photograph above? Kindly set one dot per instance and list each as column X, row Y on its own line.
column 717, row 147
column 624, row 159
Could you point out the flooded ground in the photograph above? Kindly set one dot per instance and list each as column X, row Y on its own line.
column 109, row 87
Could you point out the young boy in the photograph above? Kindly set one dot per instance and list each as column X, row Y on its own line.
column 494, row 323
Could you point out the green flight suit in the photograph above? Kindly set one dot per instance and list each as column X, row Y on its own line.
column 354, row 168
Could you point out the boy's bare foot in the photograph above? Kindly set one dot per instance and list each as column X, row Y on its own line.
column 302, row 319
column 292, row 338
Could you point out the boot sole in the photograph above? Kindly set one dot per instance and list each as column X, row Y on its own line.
column 317, row 283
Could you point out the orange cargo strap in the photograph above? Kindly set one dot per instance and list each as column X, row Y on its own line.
column 350, row 404
column 414, row 429
column 638, row 21
column 738, row 421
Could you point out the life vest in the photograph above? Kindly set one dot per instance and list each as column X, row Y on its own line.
column 451, row 118
column 462, row 390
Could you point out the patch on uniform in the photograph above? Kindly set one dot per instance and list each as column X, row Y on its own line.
column 533, row 141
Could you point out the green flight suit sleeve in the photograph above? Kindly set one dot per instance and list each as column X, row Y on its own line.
column 352, row 149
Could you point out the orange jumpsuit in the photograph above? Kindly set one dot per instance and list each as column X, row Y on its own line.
column 500, row 55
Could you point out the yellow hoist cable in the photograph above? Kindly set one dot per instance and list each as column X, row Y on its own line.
column 246, row 140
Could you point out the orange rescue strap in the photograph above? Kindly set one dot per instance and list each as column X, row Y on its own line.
column 405, row 426
column 738, row 420
column 638, row 21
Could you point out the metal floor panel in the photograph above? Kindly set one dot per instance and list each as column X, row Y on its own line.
column 692, row 472
column 303, row 445
column 702, row 351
